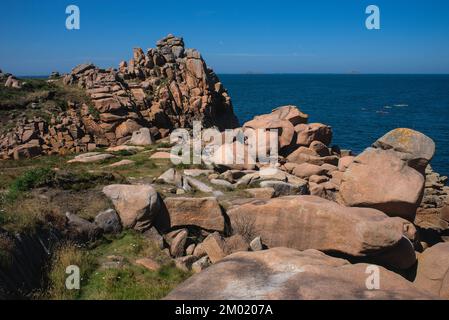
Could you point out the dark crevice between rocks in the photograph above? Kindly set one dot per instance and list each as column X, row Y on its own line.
column 23, row 265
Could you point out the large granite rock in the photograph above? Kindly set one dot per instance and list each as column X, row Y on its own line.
column 310, row 222
column 205, row 213
column 379, row 179
column 414, row 147
column 137, row 205
column 433, row 270
column 288, row 274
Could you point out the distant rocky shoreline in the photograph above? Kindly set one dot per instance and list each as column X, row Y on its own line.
column 308, row 227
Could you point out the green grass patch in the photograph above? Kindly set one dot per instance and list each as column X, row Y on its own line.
column 29, row 180
column 129, row 282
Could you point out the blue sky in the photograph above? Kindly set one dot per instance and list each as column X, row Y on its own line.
column 302, row 36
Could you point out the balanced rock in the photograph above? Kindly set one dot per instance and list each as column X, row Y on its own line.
column 288, row 274
column 414, row 147
column 310, row 222
column 379, row 179
column 137, row 205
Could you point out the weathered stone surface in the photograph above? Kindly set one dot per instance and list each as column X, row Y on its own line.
column 283, row 119
column 444, row 213
column 197, row 172
column 306, row 170
column 285, row 188
column 162, row 155
column 261, row 193
column 82, row 68
column 307, row 133
column 108, row 221
column 91, row 157
column 141, row 137
column 222, row 183
column 153, row 235
column 309, row 222
column 201, row 212
column 185, row 263
column 199, row 251
column 121, row 163
column 190, row 249
column 345, row 162
column 171, row 176
column 233, row 156
column 124, row 148
column 12, row 82
column 198, row 185
column 433, row 270
column 287, row 274
column 414, row 147
column 149, row 264
column 285, row 129
column 201, row 264
column 320, row 148
column 256, row 244
column 81, row 229
column 178, row 244
column 236, row 243
column 137, row 205
column 215, row 247
column 379, row 179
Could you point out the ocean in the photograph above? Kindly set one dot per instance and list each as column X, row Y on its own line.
column 360, row 108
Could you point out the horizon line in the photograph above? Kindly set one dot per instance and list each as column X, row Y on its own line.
column 284, row 73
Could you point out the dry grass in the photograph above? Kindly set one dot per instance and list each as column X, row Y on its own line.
column 245, row 226
column 30, row 212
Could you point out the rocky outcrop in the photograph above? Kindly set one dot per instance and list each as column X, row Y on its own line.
column 288, row 274
column 13, row 82
column 165, row 88
column 291, row 125
column 63, row 134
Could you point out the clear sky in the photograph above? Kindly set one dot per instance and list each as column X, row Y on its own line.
column 297, row 36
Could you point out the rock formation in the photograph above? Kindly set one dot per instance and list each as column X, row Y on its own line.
column 166, row 88
column 250, row 229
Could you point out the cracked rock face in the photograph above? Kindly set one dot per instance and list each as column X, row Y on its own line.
column 288, row 274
